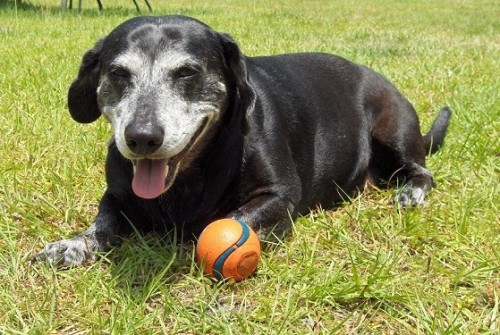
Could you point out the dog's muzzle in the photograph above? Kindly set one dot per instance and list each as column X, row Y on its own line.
column 152, row 177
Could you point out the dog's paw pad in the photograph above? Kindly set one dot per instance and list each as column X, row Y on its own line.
column 65, row 253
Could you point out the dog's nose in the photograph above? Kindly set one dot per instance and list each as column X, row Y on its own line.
column 143, row 139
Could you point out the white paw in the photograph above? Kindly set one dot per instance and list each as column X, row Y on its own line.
column 66, row 253
column 410, row 196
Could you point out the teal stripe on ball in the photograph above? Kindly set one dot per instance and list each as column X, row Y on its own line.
column 219, row 263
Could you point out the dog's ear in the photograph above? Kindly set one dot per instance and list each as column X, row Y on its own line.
column 237, row 72
column 82, row 94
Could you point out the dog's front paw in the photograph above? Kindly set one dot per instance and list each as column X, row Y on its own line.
column 66, row 253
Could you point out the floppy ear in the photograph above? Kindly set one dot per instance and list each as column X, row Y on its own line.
column 82, row 94
column 237, row 72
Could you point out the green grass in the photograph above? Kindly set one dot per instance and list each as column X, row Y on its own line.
column 365, row 268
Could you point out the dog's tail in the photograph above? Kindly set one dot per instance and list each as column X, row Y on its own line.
column 434, row 138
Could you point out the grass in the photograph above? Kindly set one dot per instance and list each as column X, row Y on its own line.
column 364, row 268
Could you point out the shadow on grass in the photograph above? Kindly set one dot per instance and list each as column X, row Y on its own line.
column 144, row 263
column 147, row 264
column 20, row 5
column 92, row 9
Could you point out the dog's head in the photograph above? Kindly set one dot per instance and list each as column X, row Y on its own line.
column 163, row 83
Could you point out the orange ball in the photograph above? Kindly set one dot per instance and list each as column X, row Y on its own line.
column 228, row 249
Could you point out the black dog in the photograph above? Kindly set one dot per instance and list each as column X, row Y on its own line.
column 202, row 132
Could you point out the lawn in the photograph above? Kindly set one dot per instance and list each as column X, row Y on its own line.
column 363, row 268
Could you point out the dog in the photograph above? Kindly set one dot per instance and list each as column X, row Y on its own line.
column 202, row 132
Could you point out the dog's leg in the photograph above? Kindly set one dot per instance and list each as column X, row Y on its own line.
column 105, row 232
column 420, row 179
column 268, row 214
column 398, row 150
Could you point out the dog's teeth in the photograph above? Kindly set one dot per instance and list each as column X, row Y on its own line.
column 134, row 164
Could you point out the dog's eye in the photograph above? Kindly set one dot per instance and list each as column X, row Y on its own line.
column 119, row 72
column 186, row 72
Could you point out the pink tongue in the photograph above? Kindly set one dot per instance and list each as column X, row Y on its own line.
column 149, row 178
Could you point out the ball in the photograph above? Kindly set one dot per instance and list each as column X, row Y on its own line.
column 228, row 249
